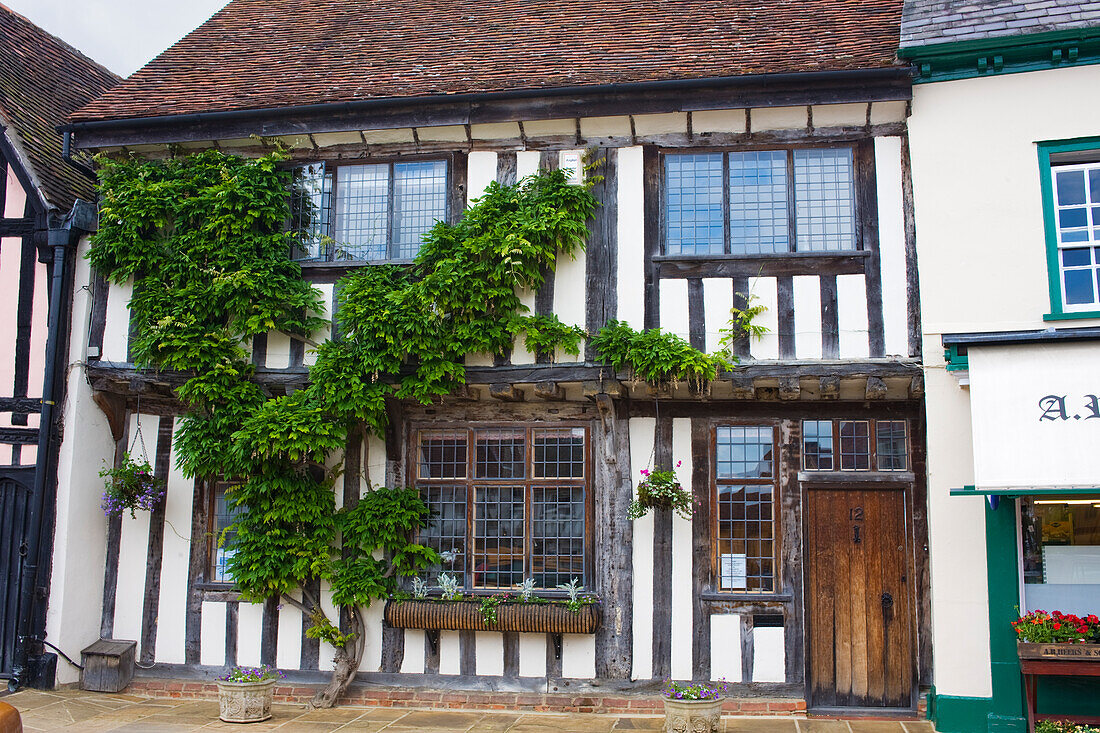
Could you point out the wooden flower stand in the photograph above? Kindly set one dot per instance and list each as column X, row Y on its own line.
column 1056, row 660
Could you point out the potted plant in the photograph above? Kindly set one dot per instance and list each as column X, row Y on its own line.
column 1057, row 635
column 129, row 487
column 244, row 695
column 694, row 708
column 1063, row 726
column 661, row 490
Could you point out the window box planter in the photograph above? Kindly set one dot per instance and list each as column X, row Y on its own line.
column 245, row 702
column 693, row 716
column 1065, row 651
column 465, row 615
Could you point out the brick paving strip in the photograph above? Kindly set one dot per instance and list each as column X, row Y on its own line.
column 90, row 712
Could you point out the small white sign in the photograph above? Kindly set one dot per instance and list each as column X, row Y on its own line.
column 570, row 162
column 734, row 571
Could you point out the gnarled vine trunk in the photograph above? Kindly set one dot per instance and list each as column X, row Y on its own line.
column 347, row 663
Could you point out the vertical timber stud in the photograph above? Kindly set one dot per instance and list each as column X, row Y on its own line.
column 742, row 344
column 651, row 222
column 662, row 560
column 614, row 545
column 467, row 653
column 790, row 544
column 196, row 573
column 697, row 323
column 601, row 257
column 511, row 654
column 544, row 297
column 785, row 285
column 311, row 648
column 506, row 176
column 867, row 211
column 100, row 290
column 912, row 282
column 431, row 651
column 553, row 657
column 155, row 554
column 232, row 614
column 259, row 350
column 830, row 320
column 269, row 632
column 747, row 647
column 456, row 206
column 701, row 542
column 114, row 544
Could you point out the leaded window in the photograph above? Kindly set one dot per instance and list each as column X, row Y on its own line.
column 745, row 499
column 222, row 516
column 760, row 202
column 507, row 503
column 855, row 445
column 367, row 212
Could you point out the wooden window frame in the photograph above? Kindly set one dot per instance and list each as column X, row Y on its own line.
column 331, row 169
column 529, row 481
column 211, row 501
column 862, row 179
column 872, row 438
column 777, row 503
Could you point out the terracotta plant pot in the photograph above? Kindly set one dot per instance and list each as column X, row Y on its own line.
column 693, row 716
column 550, row 618
column 1064, row 651
column 245, row 702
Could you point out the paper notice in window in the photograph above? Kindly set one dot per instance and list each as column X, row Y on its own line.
column 732, row 570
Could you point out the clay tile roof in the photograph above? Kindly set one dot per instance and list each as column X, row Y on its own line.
column 257, row 54
column 42, row 81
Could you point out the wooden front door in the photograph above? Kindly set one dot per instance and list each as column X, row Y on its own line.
column 858, row 600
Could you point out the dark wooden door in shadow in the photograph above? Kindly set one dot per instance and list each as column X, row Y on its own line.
column 859, row 607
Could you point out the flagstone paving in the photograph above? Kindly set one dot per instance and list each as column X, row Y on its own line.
column 90, row 712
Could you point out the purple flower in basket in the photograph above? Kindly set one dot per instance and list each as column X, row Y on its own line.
column 130, row 486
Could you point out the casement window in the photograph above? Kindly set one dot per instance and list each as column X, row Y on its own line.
column 760, row 202
column 508, row 503
column 745, row 494
column 855, row 445
column 221, row 516
column 367, row 212
column 1077, row 231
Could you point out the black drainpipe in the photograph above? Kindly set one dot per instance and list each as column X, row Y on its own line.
column 32, row 667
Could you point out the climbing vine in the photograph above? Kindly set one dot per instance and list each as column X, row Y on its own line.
column 203, row 239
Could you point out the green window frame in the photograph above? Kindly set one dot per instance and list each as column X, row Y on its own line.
column 1052, row 153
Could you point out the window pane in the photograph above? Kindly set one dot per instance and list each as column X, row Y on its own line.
column 758, row 202
column 500, row 454
column 693, row 204
column 1076, row 257
column 890, row 446
column 746, row 548
column 446, row 530
column 855, row 445
column 558, row 531
column 1073, row 217
column 362, row 212
column 824, row 199
column 420, row 200
column 498, row 533
column 1071, row 187
column 1079, row 288
column 443, row 454
column 311, row 212
column 224, row 515
column 744, row 452
column 558, row 453
column 1061, row 553
column 817, row 445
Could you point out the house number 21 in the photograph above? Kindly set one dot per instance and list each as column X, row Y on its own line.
column 855, row 514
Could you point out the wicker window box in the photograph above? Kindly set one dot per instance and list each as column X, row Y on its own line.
column 465, row 615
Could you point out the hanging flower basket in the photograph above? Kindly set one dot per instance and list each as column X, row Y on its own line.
column 467, row 615
column 661, row 490
column 129, row 487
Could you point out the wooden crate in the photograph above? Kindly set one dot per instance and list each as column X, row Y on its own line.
column 108, row 665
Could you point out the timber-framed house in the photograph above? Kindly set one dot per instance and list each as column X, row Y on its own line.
column 46, row 204
column 746, row 156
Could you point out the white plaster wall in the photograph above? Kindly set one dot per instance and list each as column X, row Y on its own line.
column 532, row 655
column 326, row 659
column 278, row 350
column 372, row 649
column 717, row 303
column 375, row 460
column 489, row 658
column 980, row 237
column 578, row 656
column 288, row 648
column 449, row 654
column 674, row 307
column 250, row 617
column 642, row 431
column 766, row 291
column 682, row 625
column 481, row 170
column 134, row 547
column 807, row 316
column 175, row 561
column 520, row 354
column 768, row 663
column 212, row 630
column 630, row 234
column 851, row 309
column 80, row 529
column 569, row 297
column 891, row 245
column 116, row 331
column 725, row 647
column 527, row 163
column 326, row 312
column 412, row 661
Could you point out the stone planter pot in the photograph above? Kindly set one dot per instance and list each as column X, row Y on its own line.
column 693, row 716
column 245, row 702
column 549, row 618
column 1064, row 651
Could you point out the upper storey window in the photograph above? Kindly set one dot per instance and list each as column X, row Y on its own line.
column 1077, row 220
column 370, row 212
column 760, row 202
